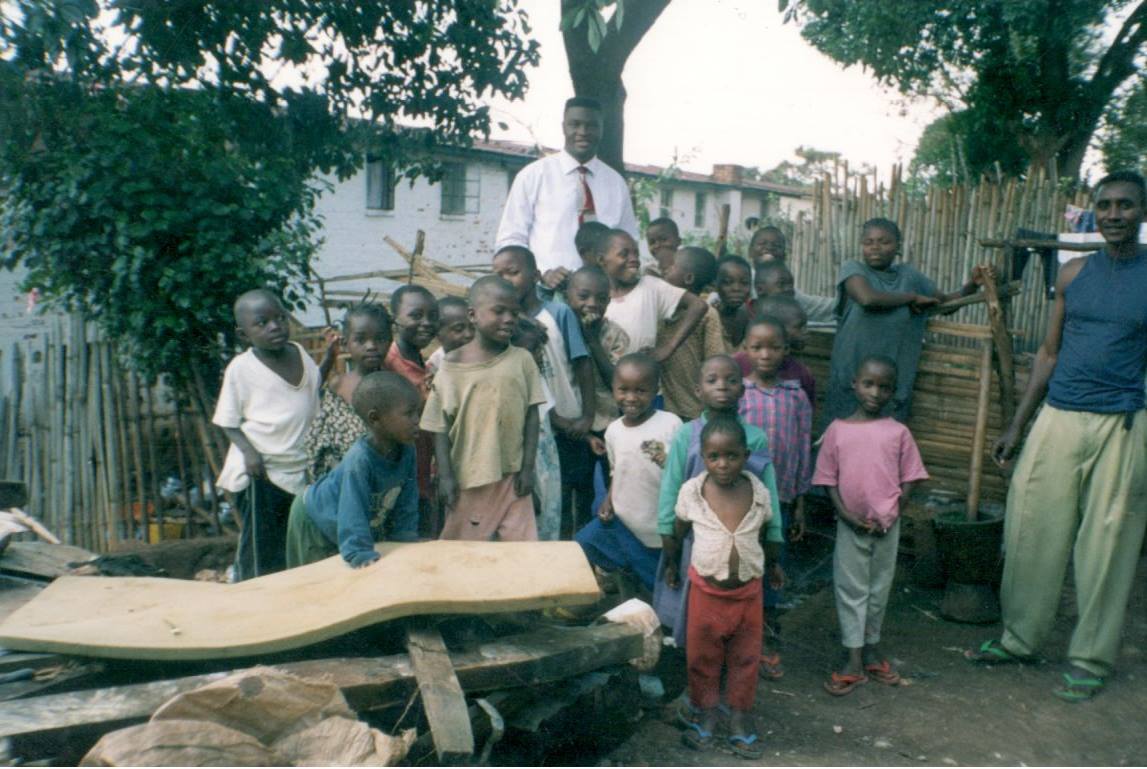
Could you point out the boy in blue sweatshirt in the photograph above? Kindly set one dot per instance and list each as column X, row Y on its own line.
column 372, row 494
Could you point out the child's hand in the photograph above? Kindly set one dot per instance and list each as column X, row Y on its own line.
column 596, row 444
column 797, row 529
column 605, row 511
column 447, row 490
column 921, row 303
column 524, row 482
column 672, row 578
column 253, row 462
column 555, row 278
column 983, row 273
column 776, row 576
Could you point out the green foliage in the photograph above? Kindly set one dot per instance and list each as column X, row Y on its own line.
column 589, row 13
column 1030, row 78
column 1123, row 142
column 159, row 158
column 150, row 210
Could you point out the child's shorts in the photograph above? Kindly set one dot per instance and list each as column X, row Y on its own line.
column 305, row 542
column 493, row 512
column 613, row 546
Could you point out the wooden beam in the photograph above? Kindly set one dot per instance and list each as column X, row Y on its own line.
column 1009, row 290
column 1004, row 353
column 443, row 700
column 542, row 655
column 42, row 559
column 1030, row 243
column 976, row 469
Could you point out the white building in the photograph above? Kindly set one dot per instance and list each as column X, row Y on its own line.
column 460, row 214
column 460, row 217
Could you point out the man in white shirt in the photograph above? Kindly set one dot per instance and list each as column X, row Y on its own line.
column 552, row 196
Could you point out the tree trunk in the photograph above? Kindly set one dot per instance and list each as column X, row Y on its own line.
column 598, row 75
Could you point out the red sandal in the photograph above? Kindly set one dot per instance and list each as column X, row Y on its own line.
column 840, row 684
column 771, row 667
column 882, row 672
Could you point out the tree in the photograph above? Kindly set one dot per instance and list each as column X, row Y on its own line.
column 811, row 166
column 1031, row 78
column 159, row 157
column 597, row 51
column 1123, row 141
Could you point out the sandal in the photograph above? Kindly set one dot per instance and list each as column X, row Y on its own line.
column 697, row 737
column 771, row 667
column 840, row 684
column 1079, row 689
column 745, row 746
column 882, row 672
column 688, row 715
column 993, row 653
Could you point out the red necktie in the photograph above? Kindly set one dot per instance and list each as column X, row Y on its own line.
column 586, row 212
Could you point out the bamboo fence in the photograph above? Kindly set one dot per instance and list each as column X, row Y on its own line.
column 944, row 408
column 94, row 442
column 942, row 229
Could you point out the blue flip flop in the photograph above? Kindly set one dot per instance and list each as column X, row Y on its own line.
column 745, row 746
column 697, row 737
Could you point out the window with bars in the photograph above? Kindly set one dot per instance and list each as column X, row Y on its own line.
column 459, row 190
column 379, row 185
column 700, row 203
column 666, row 202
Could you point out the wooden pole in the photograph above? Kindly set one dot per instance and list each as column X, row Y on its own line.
column 135, row 433
column 1003, row 344
column 979, row 437
column 722, row 229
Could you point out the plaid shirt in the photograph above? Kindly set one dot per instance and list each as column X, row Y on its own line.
column 784, row 413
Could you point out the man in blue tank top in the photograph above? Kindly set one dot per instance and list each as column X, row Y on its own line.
column 1079, row 491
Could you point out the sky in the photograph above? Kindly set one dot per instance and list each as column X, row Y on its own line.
column 725, row 81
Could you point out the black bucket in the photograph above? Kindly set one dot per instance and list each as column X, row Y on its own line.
column 970, row 551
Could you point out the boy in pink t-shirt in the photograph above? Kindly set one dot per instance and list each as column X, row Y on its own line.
column 868, row 464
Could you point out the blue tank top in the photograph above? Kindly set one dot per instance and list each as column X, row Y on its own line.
column 1103, row 353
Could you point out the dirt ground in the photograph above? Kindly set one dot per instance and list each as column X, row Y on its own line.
column 947, row 712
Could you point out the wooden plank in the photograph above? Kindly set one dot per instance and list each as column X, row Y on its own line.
column 1032, row 243
column 542, row 655
column 42, row 559
column 166, row 619
column 443, row 700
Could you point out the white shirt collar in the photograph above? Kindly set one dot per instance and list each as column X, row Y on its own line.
column 569, row 164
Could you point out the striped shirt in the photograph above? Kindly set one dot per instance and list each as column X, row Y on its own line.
column 784, row 414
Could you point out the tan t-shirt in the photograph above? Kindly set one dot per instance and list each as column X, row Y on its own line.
column 679, row 374
column 482, row 408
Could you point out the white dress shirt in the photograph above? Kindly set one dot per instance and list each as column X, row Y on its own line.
column 542, row 209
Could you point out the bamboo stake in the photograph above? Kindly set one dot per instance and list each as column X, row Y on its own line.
column 136, row 434
column 179, row 444
column 152, row 464
column 976, row 470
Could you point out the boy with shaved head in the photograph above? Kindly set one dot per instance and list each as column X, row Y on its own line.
column 483, row 411
column 270, row 394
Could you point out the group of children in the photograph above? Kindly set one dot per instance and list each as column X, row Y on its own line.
column 676, row 386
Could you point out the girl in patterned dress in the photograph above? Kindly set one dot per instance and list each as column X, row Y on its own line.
column 366, row 335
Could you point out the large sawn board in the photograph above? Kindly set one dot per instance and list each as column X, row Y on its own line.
column 168, row 619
